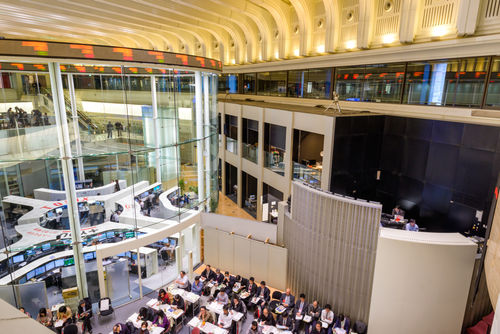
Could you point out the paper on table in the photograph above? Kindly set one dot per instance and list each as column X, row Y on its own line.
column 307, row 318
column 255, row 300
column 59, row 323
column 298, row 317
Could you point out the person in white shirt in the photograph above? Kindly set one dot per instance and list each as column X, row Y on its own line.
column 182, row 281
column 327, row 317
column 222, row 297
column 225, row 320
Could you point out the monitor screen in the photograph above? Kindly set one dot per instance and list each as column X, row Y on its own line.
column 18, row 258
column 129, row 234
column 59, row 262
column 50, row 214
column 66, row 241
column 166, row 240
column 30, row 252
column 110, row 234
column 30, row 274
column 59, row 210
column 134, row 256
column 173, row 242
column 121, row 254
column 102, row 237
column 39, row 270
column 69, row 262
column 127, row 254
column 88, row 256
column 45, row 247
column 50, row 265
column 22, row 280
column 157, row 188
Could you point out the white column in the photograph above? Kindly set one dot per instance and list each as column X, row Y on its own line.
column 199, row 134
column 156, row 129
column 69, row 180
column 206, row 125
column 467, row 17
column 74, row 115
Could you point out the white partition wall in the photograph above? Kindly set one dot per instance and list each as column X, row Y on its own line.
column 421, row 282
column 246, row 257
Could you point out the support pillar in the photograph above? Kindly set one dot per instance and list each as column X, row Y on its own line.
column 156, row 129
column 206, row 125
column 76, row 129
column 69, row 180
column 199, row 136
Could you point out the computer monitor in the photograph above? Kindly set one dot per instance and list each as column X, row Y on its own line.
column 50, row 214
column 30, row 275
column 22, row 280
column 166, row 240
column 46, row 247
column 69, row 262
column 59, row 210
column 49, row 266
column 110, row 235
column 39, row 270
column 88, row 256
column 121, row 254
column 102, row 237
column 66, row 241
column 59, row 262
column 18, row 258
column 157, row 188
column 134, row 256
column 30, row 252
column 128, row 254
column 129, row 234
column 173, row 242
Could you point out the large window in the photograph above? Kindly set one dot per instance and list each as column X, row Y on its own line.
column 493, row 93
column 272, row 83
column 250, row 139
column 228, row 84
column 313, row 83
column 370, row 83
column 231, row 132
column 249, row 83
column 274, row 147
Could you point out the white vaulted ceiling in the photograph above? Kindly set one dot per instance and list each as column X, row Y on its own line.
column 248, row 31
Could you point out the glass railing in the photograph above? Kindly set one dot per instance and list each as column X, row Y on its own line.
column 232, row 145
column 311, row 175
column 274, row 161
column 250, row 152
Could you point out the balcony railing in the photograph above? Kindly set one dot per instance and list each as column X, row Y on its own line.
column 250, row 152
column 311, row 175
column 274, row 161
column 232, row 145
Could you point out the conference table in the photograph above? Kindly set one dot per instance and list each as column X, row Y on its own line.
column 168, row 309
column 218, row 308
column 190, row 297
column 207, row 328
column 137, row 324
column 273, row 330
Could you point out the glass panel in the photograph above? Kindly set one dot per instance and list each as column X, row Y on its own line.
column 228, row 84
column 307, row 174
column 33, row 296
column 296, row 83
column 493, row 92
column 431, row 83
column 349, row 83
column 318, row 84
column 249, row 83
column 272, row 83
column 274, row 147
column 471, row 81
column 231, row 132
column 118, row 283
column 249, row 185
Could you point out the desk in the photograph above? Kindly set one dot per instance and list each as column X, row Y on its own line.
column 217, row 308
column 208, row 328
column 169, row 311
column 137, row 324
column 273, row 330
column 190, row 297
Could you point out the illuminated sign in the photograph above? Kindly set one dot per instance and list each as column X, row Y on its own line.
column 20, row 48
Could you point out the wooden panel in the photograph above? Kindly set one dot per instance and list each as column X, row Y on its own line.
column 226, row 251
column 242, row 256
column 211, row 246
column 277, row 266
column 259, row 261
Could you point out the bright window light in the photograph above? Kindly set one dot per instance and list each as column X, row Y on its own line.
column 320, row 48
column 350, row 44
column 439, row 31
column 296, row 52
column 388, row 38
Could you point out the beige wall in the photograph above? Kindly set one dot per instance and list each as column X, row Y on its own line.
column 421, row 282
column 492, row 261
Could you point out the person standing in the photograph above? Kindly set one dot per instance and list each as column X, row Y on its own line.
column 119, row 128
column 109, row 127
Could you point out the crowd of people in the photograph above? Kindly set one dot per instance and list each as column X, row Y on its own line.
column 21, row 119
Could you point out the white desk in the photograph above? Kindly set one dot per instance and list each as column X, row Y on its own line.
column 273, row 330
column 190, row 297
column 208, row 328
column 217, row 308
column 169, row 311
column 137, row 324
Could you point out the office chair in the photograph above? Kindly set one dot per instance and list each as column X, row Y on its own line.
column 105, row 310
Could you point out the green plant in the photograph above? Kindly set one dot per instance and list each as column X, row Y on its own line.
column 193, row 189
column 182, row 185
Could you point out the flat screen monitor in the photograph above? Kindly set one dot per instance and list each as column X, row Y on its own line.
column 128, row 254
column 59, row 210
column 66, row 241
column 88, row 256
column 165, row 240
column 59, row 262
column 121, row 254
column 30, row 275
column 50, row 214
column 157, row 188
column 110, row 235
column 18, row 258
column 39, row 270
column 173, row 242
column 49, row 266
column 145, row 194
column 22, row 280
column 45, row 247
column 102, row 237
column 69, row 262
column 134, row 256
column 129, row 235
column 30, row 252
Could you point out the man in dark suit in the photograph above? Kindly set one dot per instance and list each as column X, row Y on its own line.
column 263, row 293
column 251, row 288
column 84, row 315
column 343, row 322
column 300, row 309
column 219, row 277
column 287, row 299
column 229, row 282
column 208, row 273
column 285, row 321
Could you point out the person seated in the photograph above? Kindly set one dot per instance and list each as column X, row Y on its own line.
column 266, row 318
column 225, row 319
column 182, row 281
column 84, row 314
column 64, row 316
column 314, row 311
column 287, row 299
column 197, row 287
column 120, row 328
column 263, row 293
column 161, row 320
column 343, row 323
column 178, row 303
column 327, row 317
column 23, row 310
column 44, row 317
column 411, row 226
column 317, row 328
column 397, row 211
column 237, row 305
column 204, row 315
column 163, row 297
column 222, row 297
column 285, row 322
column 299, row 310
column 254, row 328
column 144, row 314
column 70, row 329
column 228, row 281
column 251, row 288
column 208, row 273
column 144, row 328
column 219, row 277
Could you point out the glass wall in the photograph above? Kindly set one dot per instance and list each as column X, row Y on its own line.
column 272, row 83
column 100, row 154
column 307, row 157
column 250, row 139
column 231, row 132
column 228, row 84
column 493, row 92
column 249, row 83
column 313, row 83
column 274, row 147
